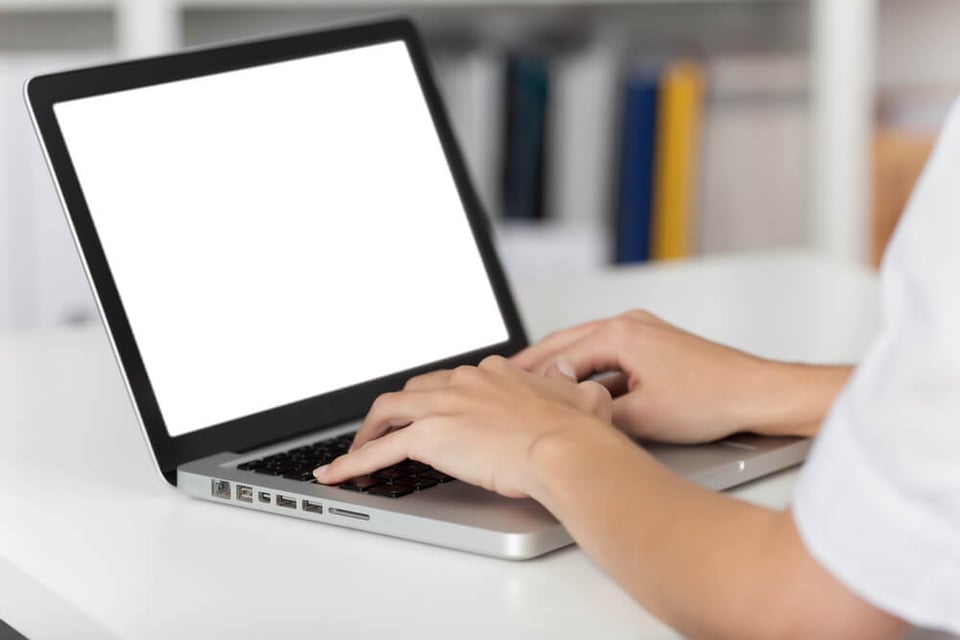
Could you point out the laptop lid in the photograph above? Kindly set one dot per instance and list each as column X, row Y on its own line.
column 276, row 232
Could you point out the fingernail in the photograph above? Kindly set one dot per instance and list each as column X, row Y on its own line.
column 563, row 366
column 319, row 472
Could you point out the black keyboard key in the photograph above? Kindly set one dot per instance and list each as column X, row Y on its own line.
column 390, row 475
column 391, row 490
column 419, row 484
column 273, row 471
column 417, row 467
column 312, row 461
column 299, row 474
column 411, row 467
column 299, row 462
column 361, row 483
column 439, row 476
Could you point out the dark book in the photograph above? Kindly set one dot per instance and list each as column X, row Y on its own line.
column 525, row 148
column 637, row 166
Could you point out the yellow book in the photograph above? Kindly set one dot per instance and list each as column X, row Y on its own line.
column 678, row 138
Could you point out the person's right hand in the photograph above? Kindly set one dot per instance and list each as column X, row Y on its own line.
column 672, row 386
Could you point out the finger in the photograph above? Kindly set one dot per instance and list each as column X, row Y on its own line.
column 396, row 409
column 598, row 401
column 536, row 353
column 497, row 363
column 616, row 383
column 561, row 369
column 630, row 415
column 375, row 455
column 429, row 381
column 599, row 351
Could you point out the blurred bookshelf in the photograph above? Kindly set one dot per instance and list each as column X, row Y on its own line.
column 784, row 149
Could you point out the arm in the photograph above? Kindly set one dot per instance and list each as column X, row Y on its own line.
column 707, row 564
column 671, row 385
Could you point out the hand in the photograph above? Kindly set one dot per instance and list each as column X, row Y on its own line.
column 479, row 424
column 670, row 385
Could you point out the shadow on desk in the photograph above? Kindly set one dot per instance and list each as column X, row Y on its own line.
column 35, row 610
column 9, row 633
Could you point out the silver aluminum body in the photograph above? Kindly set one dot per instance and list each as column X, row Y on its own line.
column 460, row 516
column 453, row 515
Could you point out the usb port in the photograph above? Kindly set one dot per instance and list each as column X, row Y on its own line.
column 289, row 503
column 244, row 493
column 312, row 507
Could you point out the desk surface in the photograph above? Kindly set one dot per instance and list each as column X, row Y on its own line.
column 94, row 544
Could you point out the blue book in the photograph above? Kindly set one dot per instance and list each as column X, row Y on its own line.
column 525, row 149
column 637, row 166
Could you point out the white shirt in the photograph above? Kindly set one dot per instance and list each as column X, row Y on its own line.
column 878, row 504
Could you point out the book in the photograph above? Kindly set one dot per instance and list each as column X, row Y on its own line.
column 678, row 136
column 525, row 148
column 755, row 187
column 637, row 162
column 472, row 81
column 583, row 130
column 548, row 249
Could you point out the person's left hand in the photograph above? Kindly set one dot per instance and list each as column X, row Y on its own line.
column 478, row 424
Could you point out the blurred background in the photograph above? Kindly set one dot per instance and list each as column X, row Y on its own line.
column 597, row 132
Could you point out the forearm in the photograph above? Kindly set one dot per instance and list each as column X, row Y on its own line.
column 687, row 557
column 795, row 398
column 707, row 564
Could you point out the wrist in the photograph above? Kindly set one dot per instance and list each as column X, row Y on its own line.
column 569, row 454
column 795, row 397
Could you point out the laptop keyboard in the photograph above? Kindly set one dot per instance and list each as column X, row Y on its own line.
column 395, row 481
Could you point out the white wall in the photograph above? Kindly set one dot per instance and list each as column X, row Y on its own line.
column 41, row 283
column 919, row 45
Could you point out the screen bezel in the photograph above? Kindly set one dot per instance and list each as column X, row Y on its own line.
column 297, row 418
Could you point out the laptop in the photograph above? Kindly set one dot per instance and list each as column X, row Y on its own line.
column 278, row 231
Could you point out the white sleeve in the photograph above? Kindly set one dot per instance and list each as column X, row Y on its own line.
column 878, row 504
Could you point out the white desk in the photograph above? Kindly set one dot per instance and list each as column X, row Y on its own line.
column 93, row 543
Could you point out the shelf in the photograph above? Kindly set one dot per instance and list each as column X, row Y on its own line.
column 843, row 34
column 354, row 4
column 54, row 6
column 105, row 5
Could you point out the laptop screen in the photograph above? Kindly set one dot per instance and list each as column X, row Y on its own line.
column 281, row 231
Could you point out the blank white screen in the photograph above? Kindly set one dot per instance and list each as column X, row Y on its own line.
column 281, row 231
